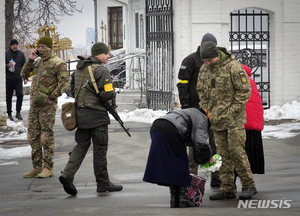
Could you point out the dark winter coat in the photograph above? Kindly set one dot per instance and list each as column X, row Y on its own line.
column 19, row 57
column 90, row 112
column 192, row 126
column 188, row 76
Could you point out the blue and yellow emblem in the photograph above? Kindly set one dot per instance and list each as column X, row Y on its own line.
column 243, row 77
column 109, row 86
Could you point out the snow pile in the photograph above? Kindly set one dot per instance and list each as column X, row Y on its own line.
column 287, row 111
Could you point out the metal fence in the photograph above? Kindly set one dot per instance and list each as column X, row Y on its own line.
column 159, row 54
column 128, row 72
column 249, row 42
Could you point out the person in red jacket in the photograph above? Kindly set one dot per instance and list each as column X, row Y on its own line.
column 254, row 126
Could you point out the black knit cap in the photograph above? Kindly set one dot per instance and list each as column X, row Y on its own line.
column 208, row 50
column 209, row 37
column 13, row 41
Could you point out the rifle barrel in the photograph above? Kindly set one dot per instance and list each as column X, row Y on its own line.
column 109, row 108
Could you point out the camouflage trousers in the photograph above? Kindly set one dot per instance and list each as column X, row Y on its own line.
column 231, row 147
column 40, row 135
column 192, row 164
column 83, row 137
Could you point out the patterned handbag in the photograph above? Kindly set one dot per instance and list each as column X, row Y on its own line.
column 196, row 190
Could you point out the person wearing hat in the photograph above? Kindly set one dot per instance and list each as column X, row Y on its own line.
column 224, row 89
column 14, row 61
column 92, row 120
column 50, row 79
column 188, row 76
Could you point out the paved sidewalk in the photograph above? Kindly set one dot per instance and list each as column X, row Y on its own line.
column 127, row 158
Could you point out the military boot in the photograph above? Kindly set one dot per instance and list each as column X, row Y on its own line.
column 247, row 193
column 68, row 185
column 215, row 180
column 46, row 173
column 184, row 200
column 18, row 116
column 220, row 195
column 110, row 188
column 33, row 173
column 174, row 201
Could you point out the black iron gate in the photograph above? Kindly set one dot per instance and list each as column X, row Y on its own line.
column 249, row 42
column 159, row 54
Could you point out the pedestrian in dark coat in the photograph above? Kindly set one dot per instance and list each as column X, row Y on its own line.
column 254, row 126
column 167, row 163
column 14, row 61
column 188, row 76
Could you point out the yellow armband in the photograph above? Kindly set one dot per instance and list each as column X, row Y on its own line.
column 108, row 87
column 184, row 81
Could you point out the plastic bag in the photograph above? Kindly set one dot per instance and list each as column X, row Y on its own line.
column 206, row 168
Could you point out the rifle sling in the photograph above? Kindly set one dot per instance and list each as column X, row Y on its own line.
column 93, row 79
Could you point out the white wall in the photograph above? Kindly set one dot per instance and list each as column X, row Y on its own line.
column 291, row 47
column 135, row 6
column 194, row 18
column 2, row 62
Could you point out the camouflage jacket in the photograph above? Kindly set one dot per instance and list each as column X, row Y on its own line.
column 224, row 89
column 53, row 78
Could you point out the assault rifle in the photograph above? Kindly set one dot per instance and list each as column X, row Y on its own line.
column 88, row 86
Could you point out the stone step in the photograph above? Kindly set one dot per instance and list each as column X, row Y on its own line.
column 129, row 100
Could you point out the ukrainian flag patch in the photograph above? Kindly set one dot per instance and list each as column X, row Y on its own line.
column 106, row 80
column 243, row 77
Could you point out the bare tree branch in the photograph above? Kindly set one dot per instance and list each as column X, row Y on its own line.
column 24, row 16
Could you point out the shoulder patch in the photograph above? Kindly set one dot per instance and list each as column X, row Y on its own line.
column 183, row 67
column 243, row 77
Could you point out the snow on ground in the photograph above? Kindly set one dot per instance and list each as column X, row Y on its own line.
column 280, row 131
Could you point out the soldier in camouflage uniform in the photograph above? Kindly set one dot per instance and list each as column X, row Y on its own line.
column 50, row 79
column 92, row 120
column 224, row 89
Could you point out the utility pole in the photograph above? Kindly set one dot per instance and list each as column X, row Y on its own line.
column 96, row 25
